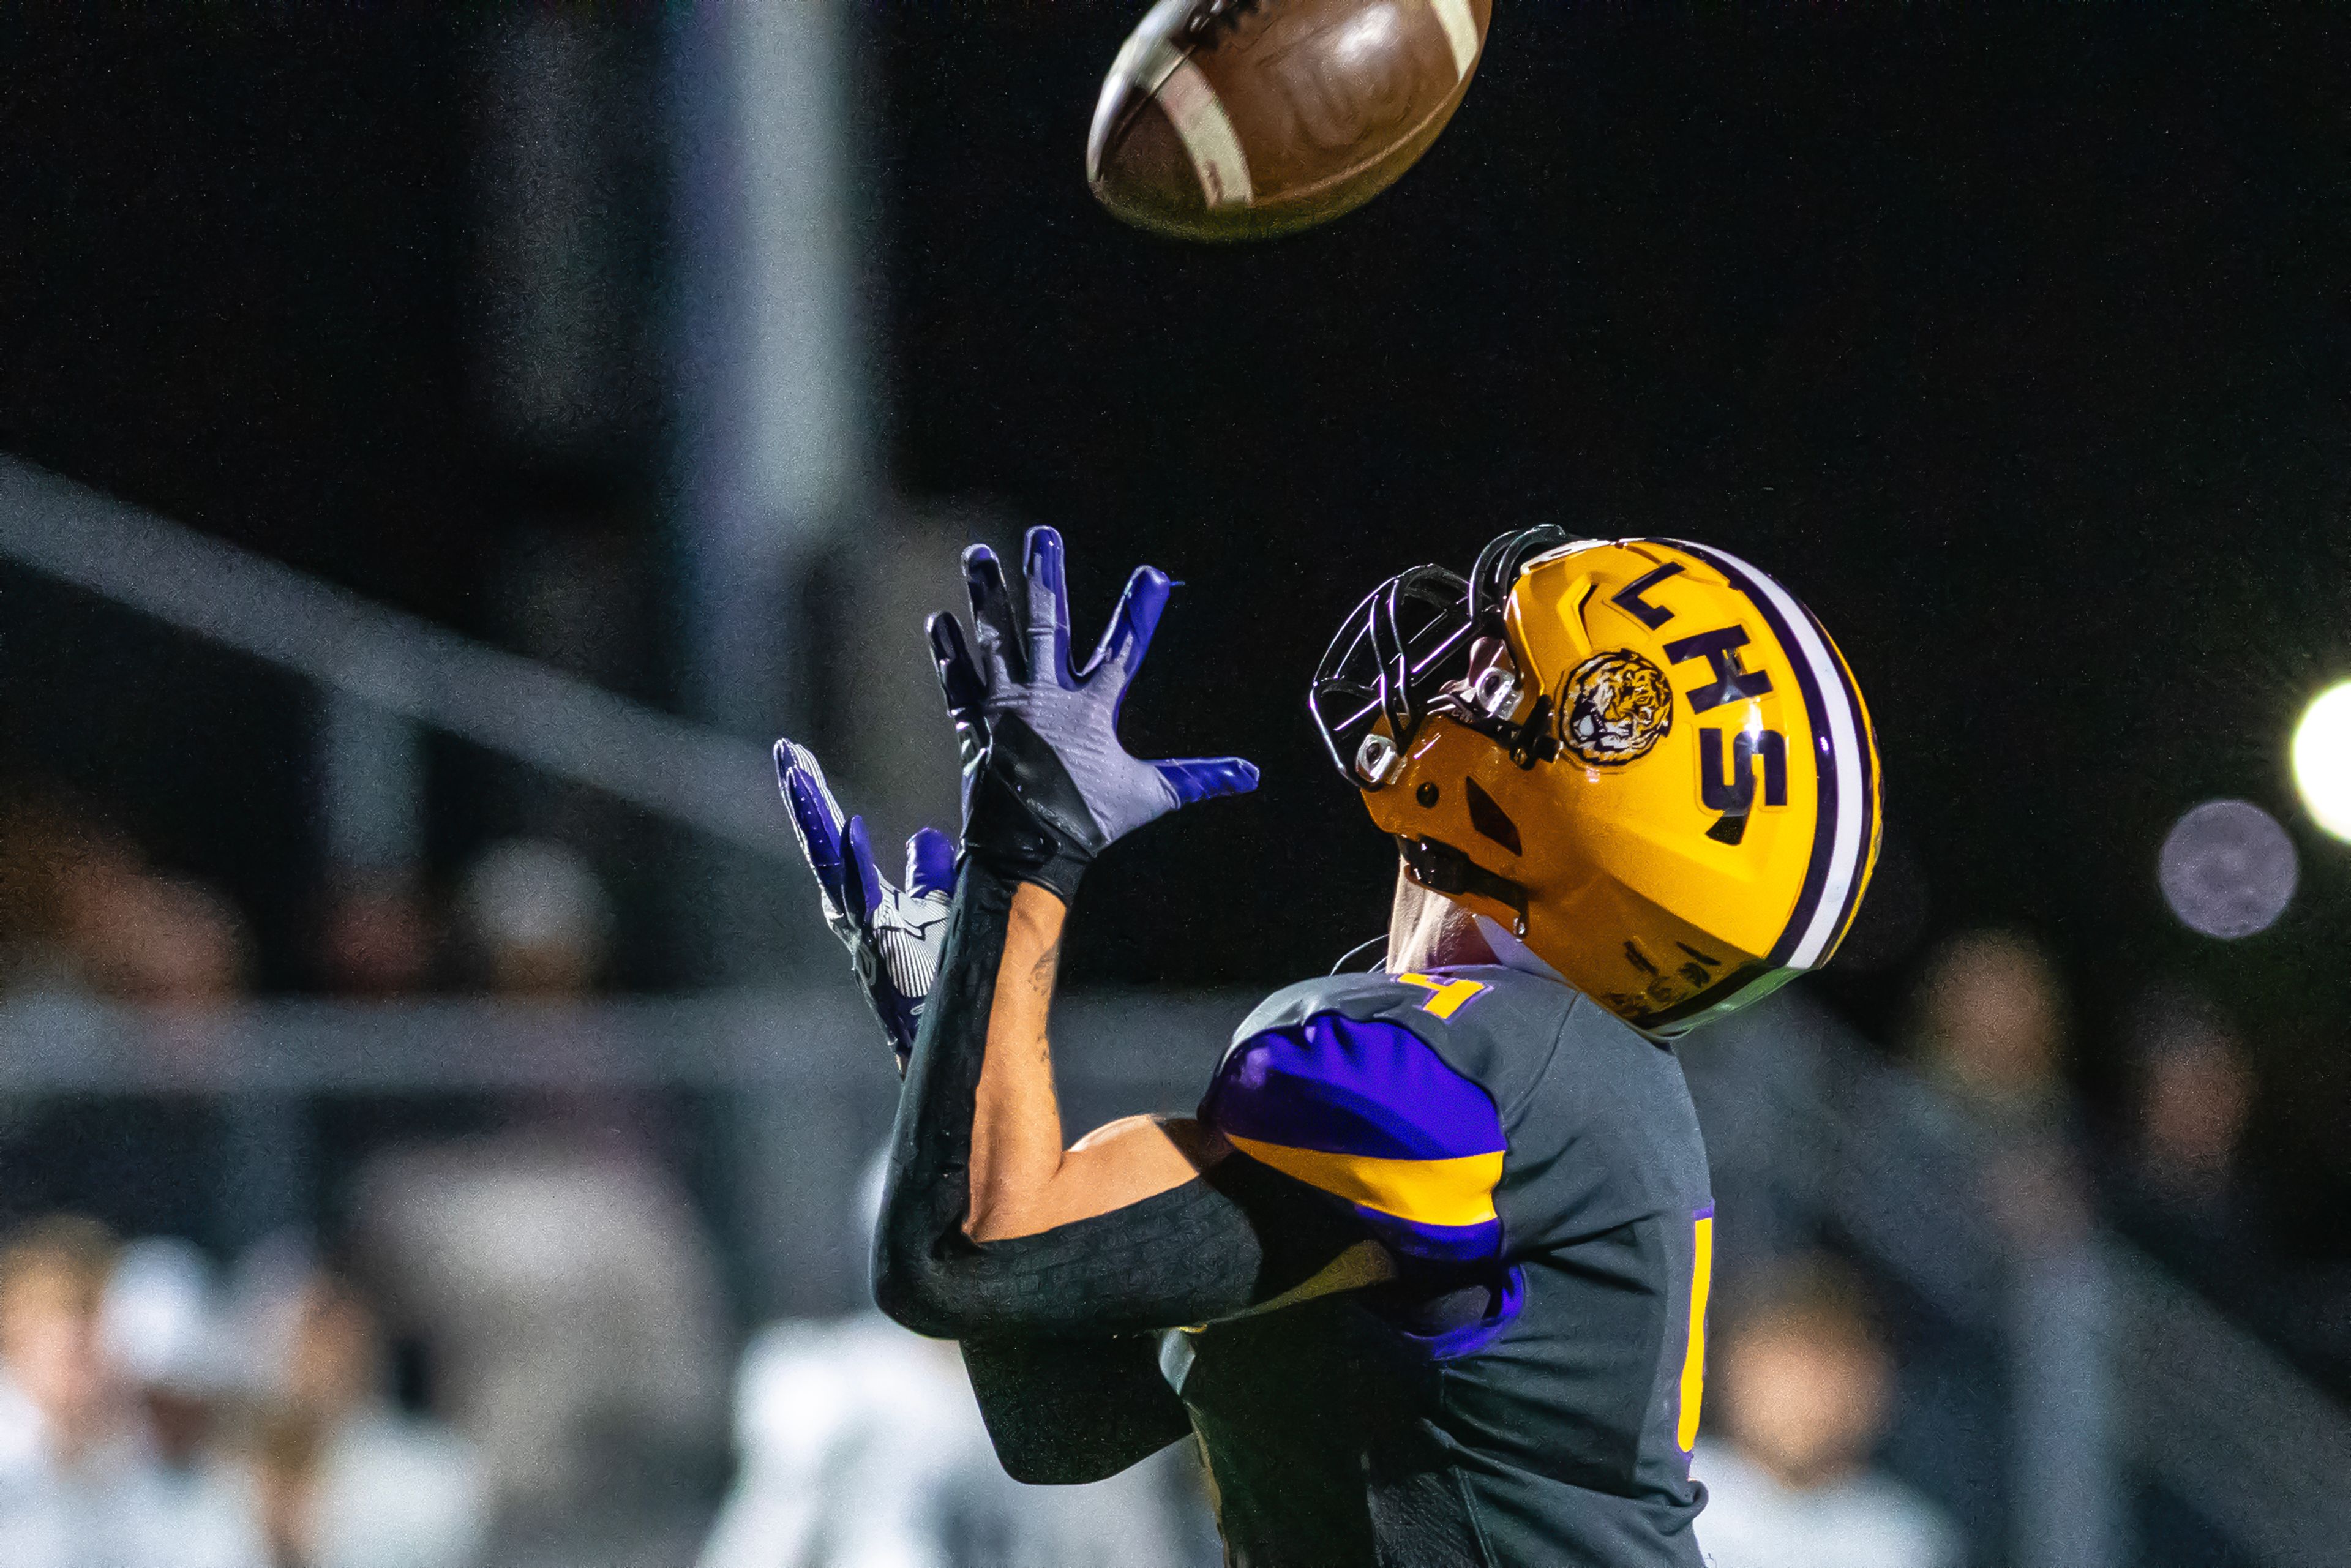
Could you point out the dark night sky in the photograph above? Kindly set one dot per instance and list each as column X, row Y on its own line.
column 2019, row 349
column 2019, row 346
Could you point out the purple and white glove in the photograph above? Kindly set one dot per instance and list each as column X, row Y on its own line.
column 893, row 935
column 1046, row 786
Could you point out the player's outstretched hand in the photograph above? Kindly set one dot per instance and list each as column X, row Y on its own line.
column 893, row 934
column 1046, row 786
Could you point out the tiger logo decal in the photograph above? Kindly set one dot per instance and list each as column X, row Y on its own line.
column 1617, row 706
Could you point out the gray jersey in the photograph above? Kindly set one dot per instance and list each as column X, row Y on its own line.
column 1528, row 1391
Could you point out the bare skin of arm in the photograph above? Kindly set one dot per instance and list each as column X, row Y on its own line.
column 1023, row 1180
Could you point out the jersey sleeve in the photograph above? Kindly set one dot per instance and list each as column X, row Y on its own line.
column 1365, row 1110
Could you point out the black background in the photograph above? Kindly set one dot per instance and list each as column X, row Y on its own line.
column 2015, row 344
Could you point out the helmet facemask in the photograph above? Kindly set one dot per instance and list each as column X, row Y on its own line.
column 1393, row 653
column 1403, row 653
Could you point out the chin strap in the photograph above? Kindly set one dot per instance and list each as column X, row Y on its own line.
column 1441, row 868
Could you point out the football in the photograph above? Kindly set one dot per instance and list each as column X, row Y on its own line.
column 1225, row 119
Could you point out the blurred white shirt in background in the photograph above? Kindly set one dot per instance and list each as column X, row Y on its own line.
column 1753, row 1520
column 115, row 1506
column 397, row 1493
column 863, row 1447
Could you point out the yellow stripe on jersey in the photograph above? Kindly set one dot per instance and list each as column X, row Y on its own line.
column 1429, row 1192
column 1445, row 997
column 1694, row 1358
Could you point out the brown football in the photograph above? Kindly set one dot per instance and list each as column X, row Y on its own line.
column 1241, row 118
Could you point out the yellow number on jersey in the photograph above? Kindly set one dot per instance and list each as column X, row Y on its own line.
column 1446, row 997
column 1694, row 1357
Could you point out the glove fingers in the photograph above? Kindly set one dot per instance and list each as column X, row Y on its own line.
column 864, row 879
column 791, row 758
column 1200, row 778
column 960, row 677
column 992, row 615
column 930, row 863
column 1128, row 635
column 1048, row 605
column 816, row 816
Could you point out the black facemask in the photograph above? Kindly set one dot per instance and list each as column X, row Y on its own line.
column 1401, row 649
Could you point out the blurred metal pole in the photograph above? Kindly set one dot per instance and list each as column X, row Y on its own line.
column 773, row 405
column 370, row 772
column 268, row 1167
column 371, row 781
column 2068, row 1506
column 773, row 412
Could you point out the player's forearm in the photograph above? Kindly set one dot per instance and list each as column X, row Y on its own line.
column 1016, row 1141
column 988, row 1225
column 1180, row 1247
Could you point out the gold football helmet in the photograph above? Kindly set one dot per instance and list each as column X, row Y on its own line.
column 1642, row 758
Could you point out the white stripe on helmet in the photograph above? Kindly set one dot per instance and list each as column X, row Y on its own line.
column 1845, row 737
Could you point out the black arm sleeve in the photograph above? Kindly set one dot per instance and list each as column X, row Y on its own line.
column 1065, row 1411
column 1237, row 1236
column 1054, row 1324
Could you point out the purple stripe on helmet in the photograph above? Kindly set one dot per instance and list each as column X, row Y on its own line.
column 1346, row 1086
column 1868, row 759
column 1816, row 714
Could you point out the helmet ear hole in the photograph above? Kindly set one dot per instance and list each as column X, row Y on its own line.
column 1425, row 795
column 1486, row 815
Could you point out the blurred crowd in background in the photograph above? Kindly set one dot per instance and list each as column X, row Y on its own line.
column 510, row 1342
column 84, row 911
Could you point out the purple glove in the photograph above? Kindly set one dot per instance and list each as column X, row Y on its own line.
column 1047, row 783
column 893, row 935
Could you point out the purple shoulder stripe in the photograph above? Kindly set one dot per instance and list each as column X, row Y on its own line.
column 1416, row 1241
column 1346, row 1086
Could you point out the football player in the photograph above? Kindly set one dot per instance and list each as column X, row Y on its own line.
column 1427, row 1270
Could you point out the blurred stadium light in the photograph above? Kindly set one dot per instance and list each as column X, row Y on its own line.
column 2227, row 869
column 2321, row 759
